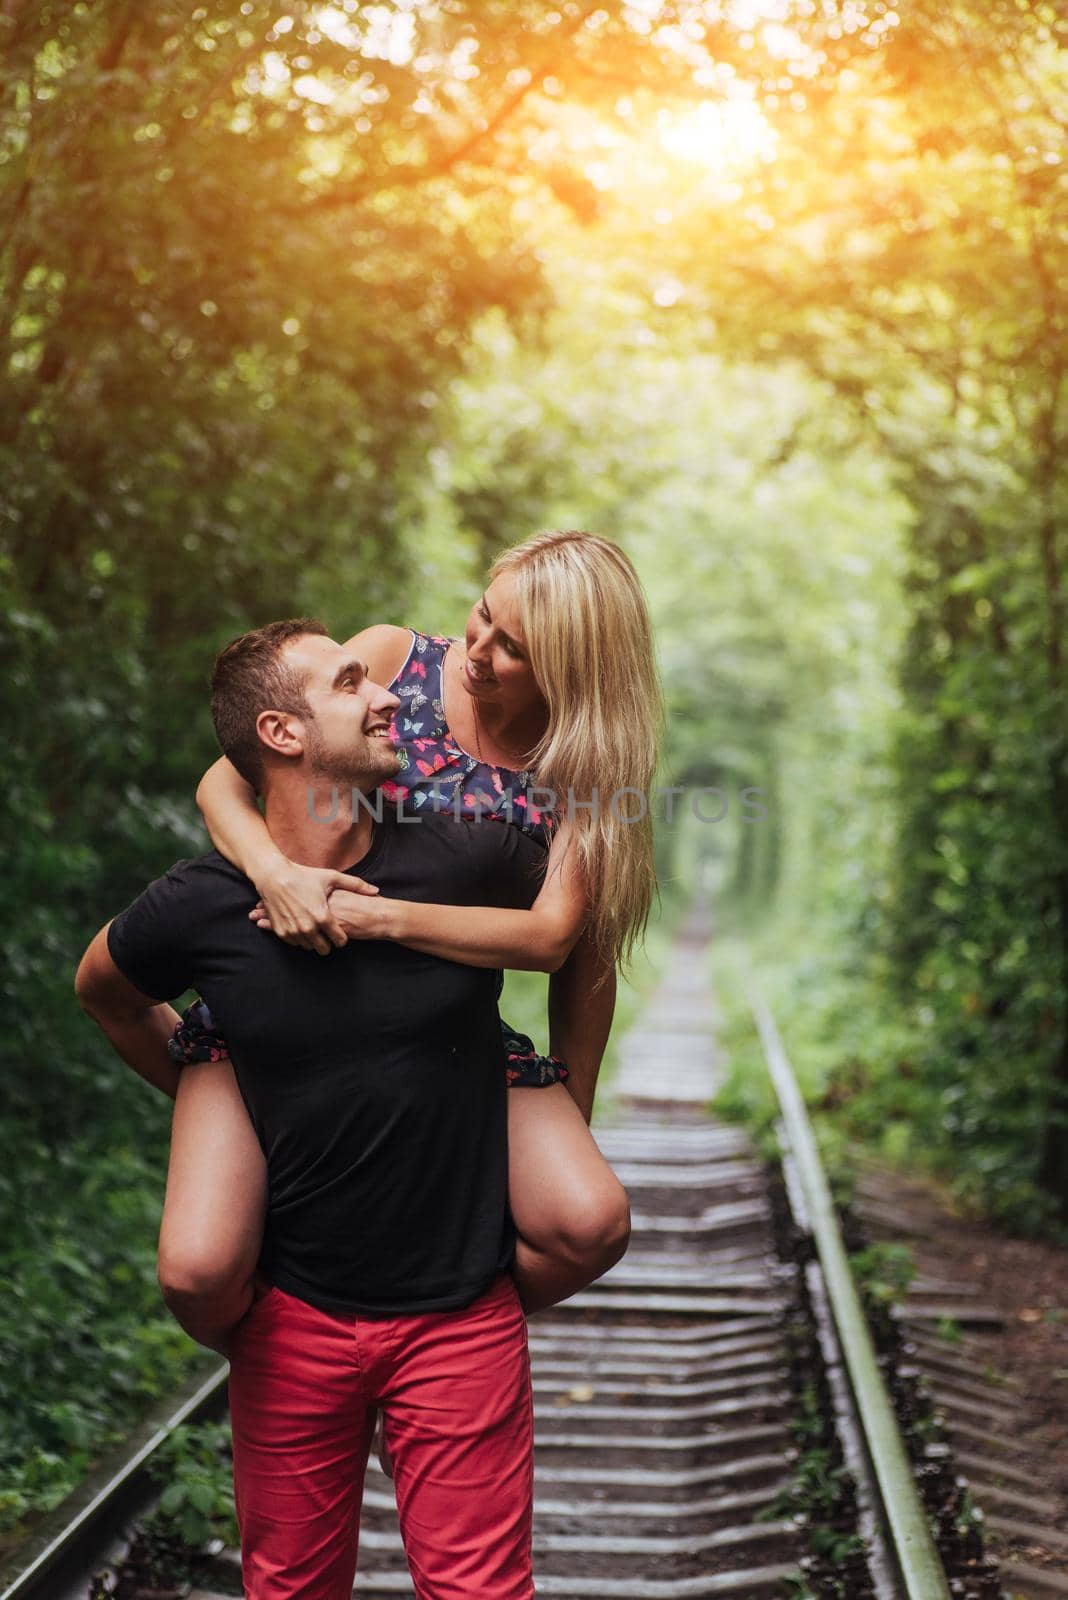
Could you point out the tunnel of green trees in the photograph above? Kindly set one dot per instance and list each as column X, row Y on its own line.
column 311, row 309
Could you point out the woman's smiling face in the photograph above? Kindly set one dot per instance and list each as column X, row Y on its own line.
column 497, row 666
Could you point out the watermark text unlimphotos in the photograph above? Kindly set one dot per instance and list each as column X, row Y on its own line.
column 707, row 805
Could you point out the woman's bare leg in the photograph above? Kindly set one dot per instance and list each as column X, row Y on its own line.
column 570, row 1209
column 213, row 1214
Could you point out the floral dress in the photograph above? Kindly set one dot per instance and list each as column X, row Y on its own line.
column 436, row 774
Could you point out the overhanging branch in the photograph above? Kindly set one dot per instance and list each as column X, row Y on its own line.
column 403, row 176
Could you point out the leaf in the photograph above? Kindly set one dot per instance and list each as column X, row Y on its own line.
column 202, row 1496
column 172, row 1499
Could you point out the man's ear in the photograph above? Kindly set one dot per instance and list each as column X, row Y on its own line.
column 281, row 733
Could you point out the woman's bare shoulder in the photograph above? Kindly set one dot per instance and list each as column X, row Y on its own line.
column 384, row 647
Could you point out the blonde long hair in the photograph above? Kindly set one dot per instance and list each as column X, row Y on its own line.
column 587, row 633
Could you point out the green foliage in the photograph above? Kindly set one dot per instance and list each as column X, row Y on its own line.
column 817, row 1488
column 175, row 1546
column 227, row 315
column 197, row 1504
column 312, row 311
column 883, row 1271
column 85, row 1344
column 953, row 165
column 859, row 1061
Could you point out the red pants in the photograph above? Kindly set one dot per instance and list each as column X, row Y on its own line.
column 455, row 1389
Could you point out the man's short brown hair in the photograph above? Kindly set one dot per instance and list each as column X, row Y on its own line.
column 250, row 676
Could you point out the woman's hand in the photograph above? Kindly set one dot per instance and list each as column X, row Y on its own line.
column 295, row 904
column 366, row 919
column 360, row 915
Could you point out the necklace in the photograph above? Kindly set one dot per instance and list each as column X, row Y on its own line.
column 478, row 741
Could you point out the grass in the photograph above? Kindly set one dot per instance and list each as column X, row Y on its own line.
column 871, row 1068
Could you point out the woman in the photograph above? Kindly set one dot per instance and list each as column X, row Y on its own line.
column 554, row 685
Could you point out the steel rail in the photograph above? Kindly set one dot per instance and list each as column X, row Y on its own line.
column 912, row 1544
column 119, row 1488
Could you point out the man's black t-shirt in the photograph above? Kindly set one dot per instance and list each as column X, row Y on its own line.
column 374, row 1076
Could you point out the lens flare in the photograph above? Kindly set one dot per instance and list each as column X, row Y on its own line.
column 723, row 135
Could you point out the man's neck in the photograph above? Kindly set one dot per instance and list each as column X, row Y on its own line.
column 316, row 823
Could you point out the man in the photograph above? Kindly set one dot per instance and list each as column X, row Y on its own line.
column 375, row 1084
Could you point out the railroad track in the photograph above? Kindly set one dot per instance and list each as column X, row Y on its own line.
column 662, row 1396
column 688, row 1403
column 990, row 1437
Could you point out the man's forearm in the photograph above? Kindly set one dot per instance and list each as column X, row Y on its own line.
column 141, row 1040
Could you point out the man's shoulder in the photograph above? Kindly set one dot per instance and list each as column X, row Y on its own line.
column 214, row 864
column 206, row 874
